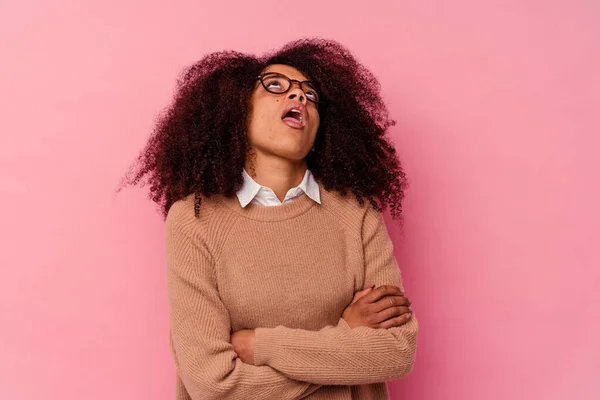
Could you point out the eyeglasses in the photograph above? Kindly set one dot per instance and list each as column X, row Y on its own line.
column 277, row 83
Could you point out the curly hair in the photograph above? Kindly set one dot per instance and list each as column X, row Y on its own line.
column 200, row 144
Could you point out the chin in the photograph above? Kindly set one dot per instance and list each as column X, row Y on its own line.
column 291, row 155
column 290, row 149
column 296, row 156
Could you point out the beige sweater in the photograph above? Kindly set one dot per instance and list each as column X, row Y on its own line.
column 288, row 272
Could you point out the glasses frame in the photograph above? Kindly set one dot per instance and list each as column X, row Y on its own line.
column 291, row 81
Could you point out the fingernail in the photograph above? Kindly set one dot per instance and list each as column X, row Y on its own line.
column 410, row 308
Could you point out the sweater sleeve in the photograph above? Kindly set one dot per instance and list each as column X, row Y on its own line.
column 340, row 355
column 200, row 326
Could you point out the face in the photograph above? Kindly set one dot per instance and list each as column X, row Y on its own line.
column 272, row 134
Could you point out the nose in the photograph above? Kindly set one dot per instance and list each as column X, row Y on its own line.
column 296, row 92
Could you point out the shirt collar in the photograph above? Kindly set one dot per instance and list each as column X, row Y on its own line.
column 251, row 188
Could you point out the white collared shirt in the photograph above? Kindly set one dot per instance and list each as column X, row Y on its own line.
column 253, row 192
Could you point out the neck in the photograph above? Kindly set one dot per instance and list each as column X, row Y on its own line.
column 278, row 174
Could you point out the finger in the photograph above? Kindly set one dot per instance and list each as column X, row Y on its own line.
column 390, row 301
column 375, row 318
column 396, row 321
column 360, row 294
column 381, row 291
column 391, row 312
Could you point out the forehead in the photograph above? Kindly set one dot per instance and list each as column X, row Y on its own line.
column 286, row 70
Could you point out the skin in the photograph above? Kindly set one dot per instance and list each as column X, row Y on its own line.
column 382, row 307
column 279, row 160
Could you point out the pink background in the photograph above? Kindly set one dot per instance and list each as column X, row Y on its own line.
column 495, row 104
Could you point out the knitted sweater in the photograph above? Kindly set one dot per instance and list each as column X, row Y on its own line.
column 288, row 272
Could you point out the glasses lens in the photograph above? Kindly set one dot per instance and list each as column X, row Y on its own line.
column 276, row 83
column 311, row 92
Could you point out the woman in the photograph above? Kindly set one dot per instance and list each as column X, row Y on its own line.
column 261, row 167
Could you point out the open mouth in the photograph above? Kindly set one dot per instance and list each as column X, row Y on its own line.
column 297, row 115
column 294, row 119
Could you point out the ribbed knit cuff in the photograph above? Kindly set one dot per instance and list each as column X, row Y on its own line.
column 264, row 339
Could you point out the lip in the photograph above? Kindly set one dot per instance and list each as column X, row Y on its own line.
column 300, row 107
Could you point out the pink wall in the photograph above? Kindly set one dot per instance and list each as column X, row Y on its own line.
column 494, row 102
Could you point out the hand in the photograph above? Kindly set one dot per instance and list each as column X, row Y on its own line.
column 383, row 307
column 243, row 344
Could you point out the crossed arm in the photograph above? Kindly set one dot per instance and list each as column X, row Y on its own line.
column 339, row 355
column 289, row 363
